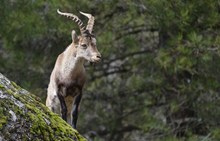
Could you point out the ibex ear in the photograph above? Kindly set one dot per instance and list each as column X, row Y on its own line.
column 74, row 37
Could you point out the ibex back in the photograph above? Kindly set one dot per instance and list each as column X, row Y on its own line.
column 68, row 76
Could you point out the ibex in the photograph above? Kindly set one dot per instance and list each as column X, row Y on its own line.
column 64, row 91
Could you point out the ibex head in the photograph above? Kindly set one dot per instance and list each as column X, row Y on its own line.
column 85, row 44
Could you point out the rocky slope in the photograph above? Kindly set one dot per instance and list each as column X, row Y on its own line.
column 23, row 117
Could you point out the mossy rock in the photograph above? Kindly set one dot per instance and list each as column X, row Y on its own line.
column 23, row 117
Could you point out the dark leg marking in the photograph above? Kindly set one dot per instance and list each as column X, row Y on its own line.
column 52, row 109
column 63, row 106
column 76, row 110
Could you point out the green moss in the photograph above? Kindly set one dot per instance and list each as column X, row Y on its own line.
column 4, row 118
column 1, row 86
column 15, row 85
column 40, row 125
column 3, row 121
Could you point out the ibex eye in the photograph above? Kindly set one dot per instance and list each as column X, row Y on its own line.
column 84, row 46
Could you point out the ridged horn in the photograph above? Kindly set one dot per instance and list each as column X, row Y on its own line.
column 91, row 21
column 74, row 18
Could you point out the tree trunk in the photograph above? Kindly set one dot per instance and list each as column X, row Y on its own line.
column 23, row 117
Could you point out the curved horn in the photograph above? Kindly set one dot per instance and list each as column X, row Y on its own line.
column 74, row 18
column 90, row 23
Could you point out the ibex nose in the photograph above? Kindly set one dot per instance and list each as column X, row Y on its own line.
column 99, row 56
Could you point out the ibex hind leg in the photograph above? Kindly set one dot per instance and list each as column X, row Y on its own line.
column 53, row 104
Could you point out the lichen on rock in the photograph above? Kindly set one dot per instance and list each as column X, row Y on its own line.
column 24, row 117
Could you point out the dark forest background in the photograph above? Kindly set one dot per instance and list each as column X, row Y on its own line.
column 159, row 79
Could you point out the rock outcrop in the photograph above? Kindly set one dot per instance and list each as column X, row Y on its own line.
column 23, row 117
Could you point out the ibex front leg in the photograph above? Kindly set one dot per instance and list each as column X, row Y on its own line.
column 76, row 109
column 62, row 104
